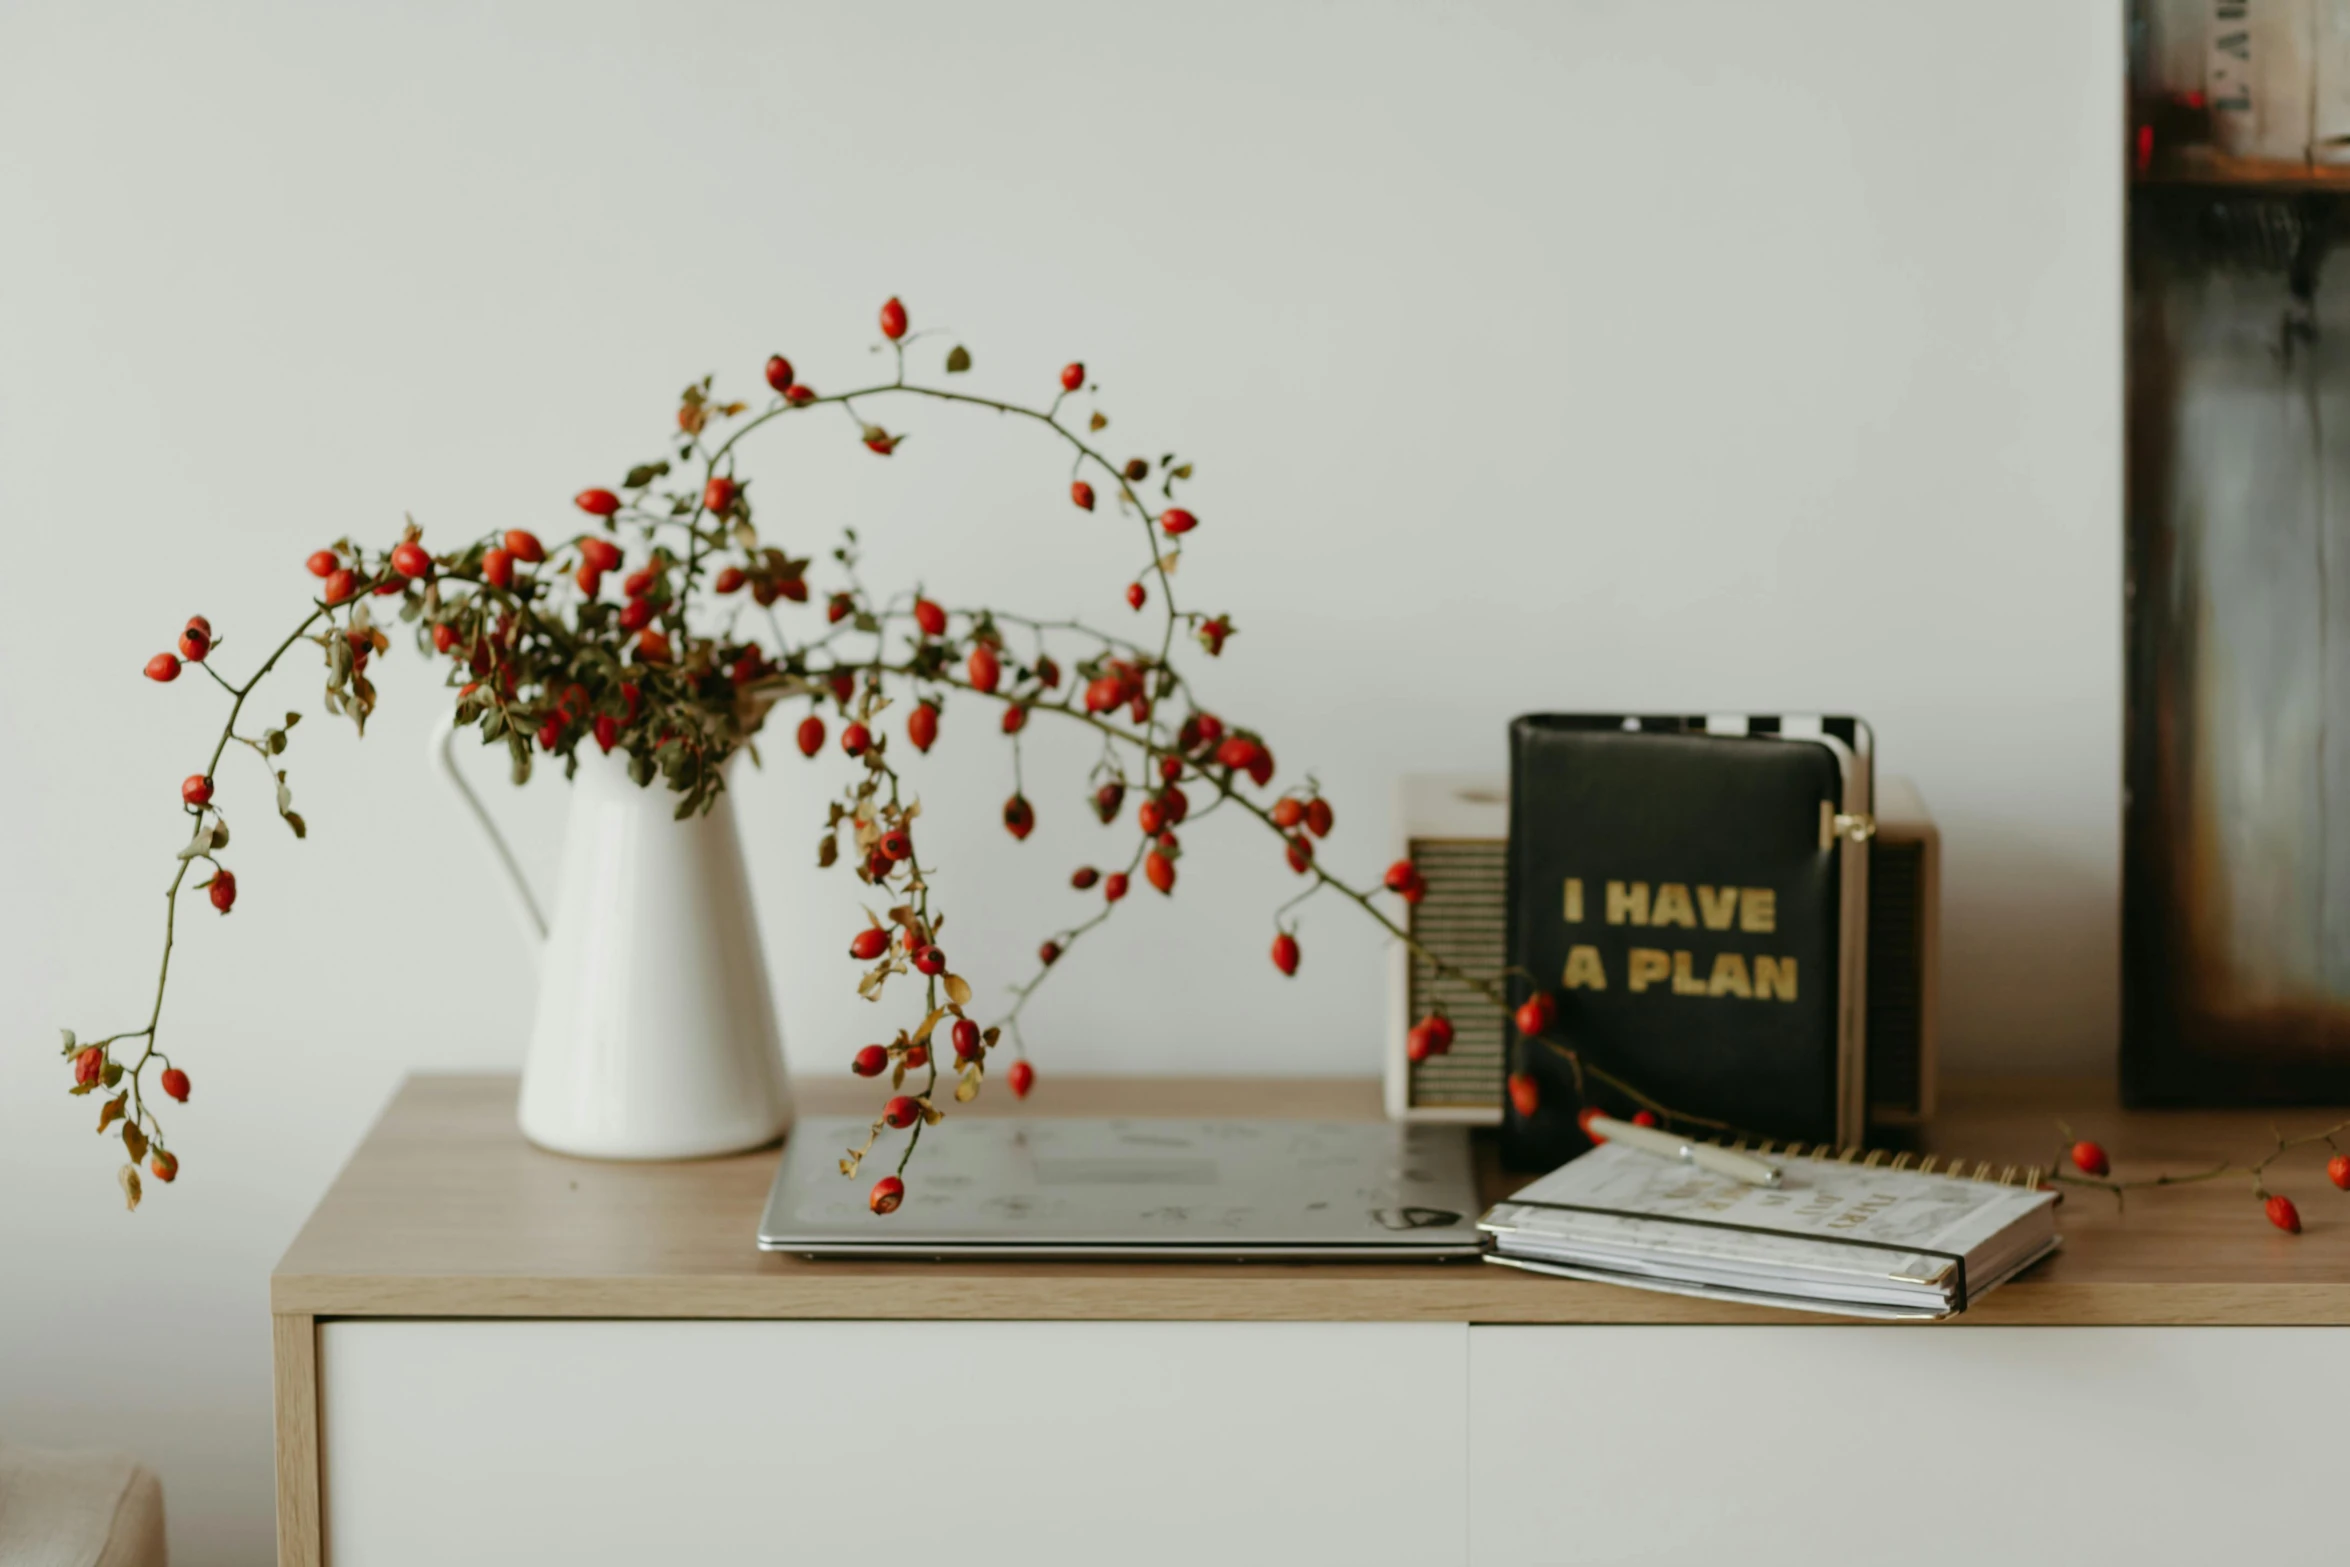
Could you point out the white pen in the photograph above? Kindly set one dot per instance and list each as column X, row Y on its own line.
column 1721, row 1161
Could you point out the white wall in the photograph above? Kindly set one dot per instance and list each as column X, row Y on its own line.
column 1691, row 355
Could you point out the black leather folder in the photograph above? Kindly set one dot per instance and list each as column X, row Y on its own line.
column 1691, row 894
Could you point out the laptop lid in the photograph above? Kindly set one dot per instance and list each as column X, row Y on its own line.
column 1081, row 1187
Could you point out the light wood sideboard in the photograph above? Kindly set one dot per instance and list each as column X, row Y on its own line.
column 486, row 1352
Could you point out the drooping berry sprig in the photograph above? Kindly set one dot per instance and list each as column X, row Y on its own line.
column 543, row 662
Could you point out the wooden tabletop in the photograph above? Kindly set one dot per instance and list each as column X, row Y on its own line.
column 446, row 1211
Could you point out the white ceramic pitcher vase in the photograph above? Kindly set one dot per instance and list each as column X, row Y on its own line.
column 655, row 1034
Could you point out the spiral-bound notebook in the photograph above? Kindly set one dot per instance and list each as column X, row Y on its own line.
column 1845, row 1233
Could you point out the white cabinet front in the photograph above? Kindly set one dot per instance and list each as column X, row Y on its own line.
column 1036, row 1443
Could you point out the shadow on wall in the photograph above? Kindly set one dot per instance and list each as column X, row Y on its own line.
column 2031, row 957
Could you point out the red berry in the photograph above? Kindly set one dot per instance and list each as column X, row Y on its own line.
column 1104, row 692
column 1301, row 854
column 1319, row 819
column 599, row 554
column 1401, row 875
column 387, row 587
column 597, row 503
column 2284, row 1215
column 1021, row 1078
column 341, row 585
column 550, row 734
column 917, row 1057
column 799, row 396
column 844, row 686
column 1178, row 804
column 965, row 1034
column 1287, row 813
column 590, row 580
column 1114, row 886
column 1285, row 953
column 524, row 546
column 1415, row 892
column 931, row 618
column 929, row 960
column 1644, row 1118
column 497, row 569
column 779, row 372
column 196, row 640
column 2338, row 1170
column 1260, row 768
column 411, row 559
column 1151, row 817
column 444, row 637
column 322, row 563
column 869, row 943
column 1583, row 1119
column 636, row 614
column 888, row 1192
column 1160, row 870
column 1136, row 596
column 1237, row 752
column 196, row 789
column 855, row 739
column 1170, row 768
column 1177, row 521
column 1211, row 729
column 224, row 890
column 89, row 1065
column 1081, row 493
column 1072, row 376
column 840, row 608
column 922, row 726
column 871, row 1061
column 1015, row 719
column 165, row 1165
column 1049, row 953
column 639, row 582
column 175, row 1083
column 2090, row 1159
column 163, row 668
column 1525, row 1095
column 718, row 496
column 893, row 319
column 985, row 669
column 1048, row 674
column 901, row 1111
column 1084, row 877
column 1019, row 816
column 1439, row 1029
column 1536, row 1014
column 607, row 732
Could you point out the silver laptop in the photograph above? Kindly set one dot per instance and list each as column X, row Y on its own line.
column 1210, row 1190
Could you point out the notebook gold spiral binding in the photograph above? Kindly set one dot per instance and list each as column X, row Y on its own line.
column 2029, row 1176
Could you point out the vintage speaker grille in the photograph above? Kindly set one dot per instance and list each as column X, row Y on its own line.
column 1896, row 993
column 1464, row 919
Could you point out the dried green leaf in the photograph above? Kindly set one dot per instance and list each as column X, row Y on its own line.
column 643, row 474
column 70, row 1046
column 958, row 360
column 113, row 1073
column 301, row 827
column 1098, row 422
column 134, row 1140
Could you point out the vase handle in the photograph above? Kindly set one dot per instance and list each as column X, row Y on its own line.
column 526, row 907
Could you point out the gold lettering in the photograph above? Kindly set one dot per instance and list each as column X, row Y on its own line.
column 1758, row 910
column 1719, row 905
column 1685, row 983
column 1627, row 904
column 1574, row 900
column 1774, row 977
column 1644, row 967
column 1584, row 970
column 1729, row 976
column 1672, row 907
